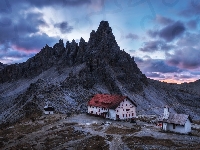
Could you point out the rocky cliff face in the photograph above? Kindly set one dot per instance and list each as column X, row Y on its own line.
column 69, row 75
column 1, row 66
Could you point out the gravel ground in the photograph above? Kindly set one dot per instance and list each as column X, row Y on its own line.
column 87, row 132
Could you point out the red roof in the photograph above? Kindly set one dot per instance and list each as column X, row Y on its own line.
column 107, row 101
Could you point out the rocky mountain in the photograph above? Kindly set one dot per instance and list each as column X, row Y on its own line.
column 1, row 66
column 69, row 75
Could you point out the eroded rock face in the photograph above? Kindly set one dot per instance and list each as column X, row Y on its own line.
column 1, row 66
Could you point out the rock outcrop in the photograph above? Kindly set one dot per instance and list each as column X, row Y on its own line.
column 1, row 66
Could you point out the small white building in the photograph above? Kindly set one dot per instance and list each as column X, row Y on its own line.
column 114, row 107
column 180, row 123
column 48, row 110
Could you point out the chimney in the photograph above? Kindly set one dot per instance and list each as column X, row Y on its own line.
column 166, row 112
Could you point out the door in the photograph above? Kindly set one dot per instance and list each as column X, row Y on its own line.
column 117, row 117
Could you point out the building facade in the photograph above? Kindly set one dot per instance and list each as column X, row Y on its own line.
column 48, row 110
column 114, row 107
column 180, row 123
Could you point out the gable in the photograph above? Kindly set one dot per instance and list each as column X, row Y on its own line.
column 126, row 102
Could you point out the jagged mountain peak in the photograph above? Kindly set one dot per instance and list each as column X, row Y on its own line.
column 103, row 37
column 68, row 76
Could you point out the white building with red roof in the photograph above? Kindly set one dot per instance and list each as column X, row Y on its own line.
column 114, row 107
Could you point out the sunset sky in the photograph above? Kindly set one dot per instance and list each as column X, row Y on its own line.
column 162, row 35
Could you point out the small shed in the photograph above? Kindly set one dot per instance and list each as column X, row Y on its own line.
column 48, row 110
column 180, row 123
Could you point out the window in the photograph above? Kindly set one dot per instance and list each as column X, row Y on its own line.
column 91, row 112
column 127, row 109
column 117, row 110
column 132, row 114
column 174, row 126
column 99, row 110
column 126, row 115
column 126, row 104
column 123, row 115
column 129, row 115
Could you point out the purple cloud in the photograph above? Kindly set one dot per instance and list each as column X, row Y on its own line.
column 6, row 7
column 169, row 32
column 64, row 27
column 154, row 75
column 192, row 9
column 155, row 65
column 132, row 36
column 192, row 24
column 153, row 46
column 163, row 20
column 172, row 31
column 186, row 58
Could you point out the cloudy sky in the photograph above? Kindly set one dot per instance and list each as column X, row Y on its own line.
column 162, row 35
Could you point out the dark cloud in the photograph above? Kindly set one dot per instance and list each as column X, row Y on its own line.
column 154, row 75
column 155, row 65
column 64, row 27
column 132, row 36
column 23, row 33
column 163, row 20
column 169, row 32
column 35, row 42
column 22, row 25
column 153, row 46
column 185, row 76
column 5, row 21
column 6, row 6
column 30, row 23
column 189, row 40
column 195, row 72
column 192, row 9
column 192, row 24
column 138, row 60
column 39, row 3
column 152, row 33
column 186, row 58
column 172, row 31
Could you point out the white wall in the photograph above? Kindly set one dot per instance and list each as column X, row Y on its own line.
column 48, row 112
column 126, row 110
column 96, row 110
column 164, row 126
column 187, row 126
column 166, row 113
column 178, row 128
column 112, row 114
